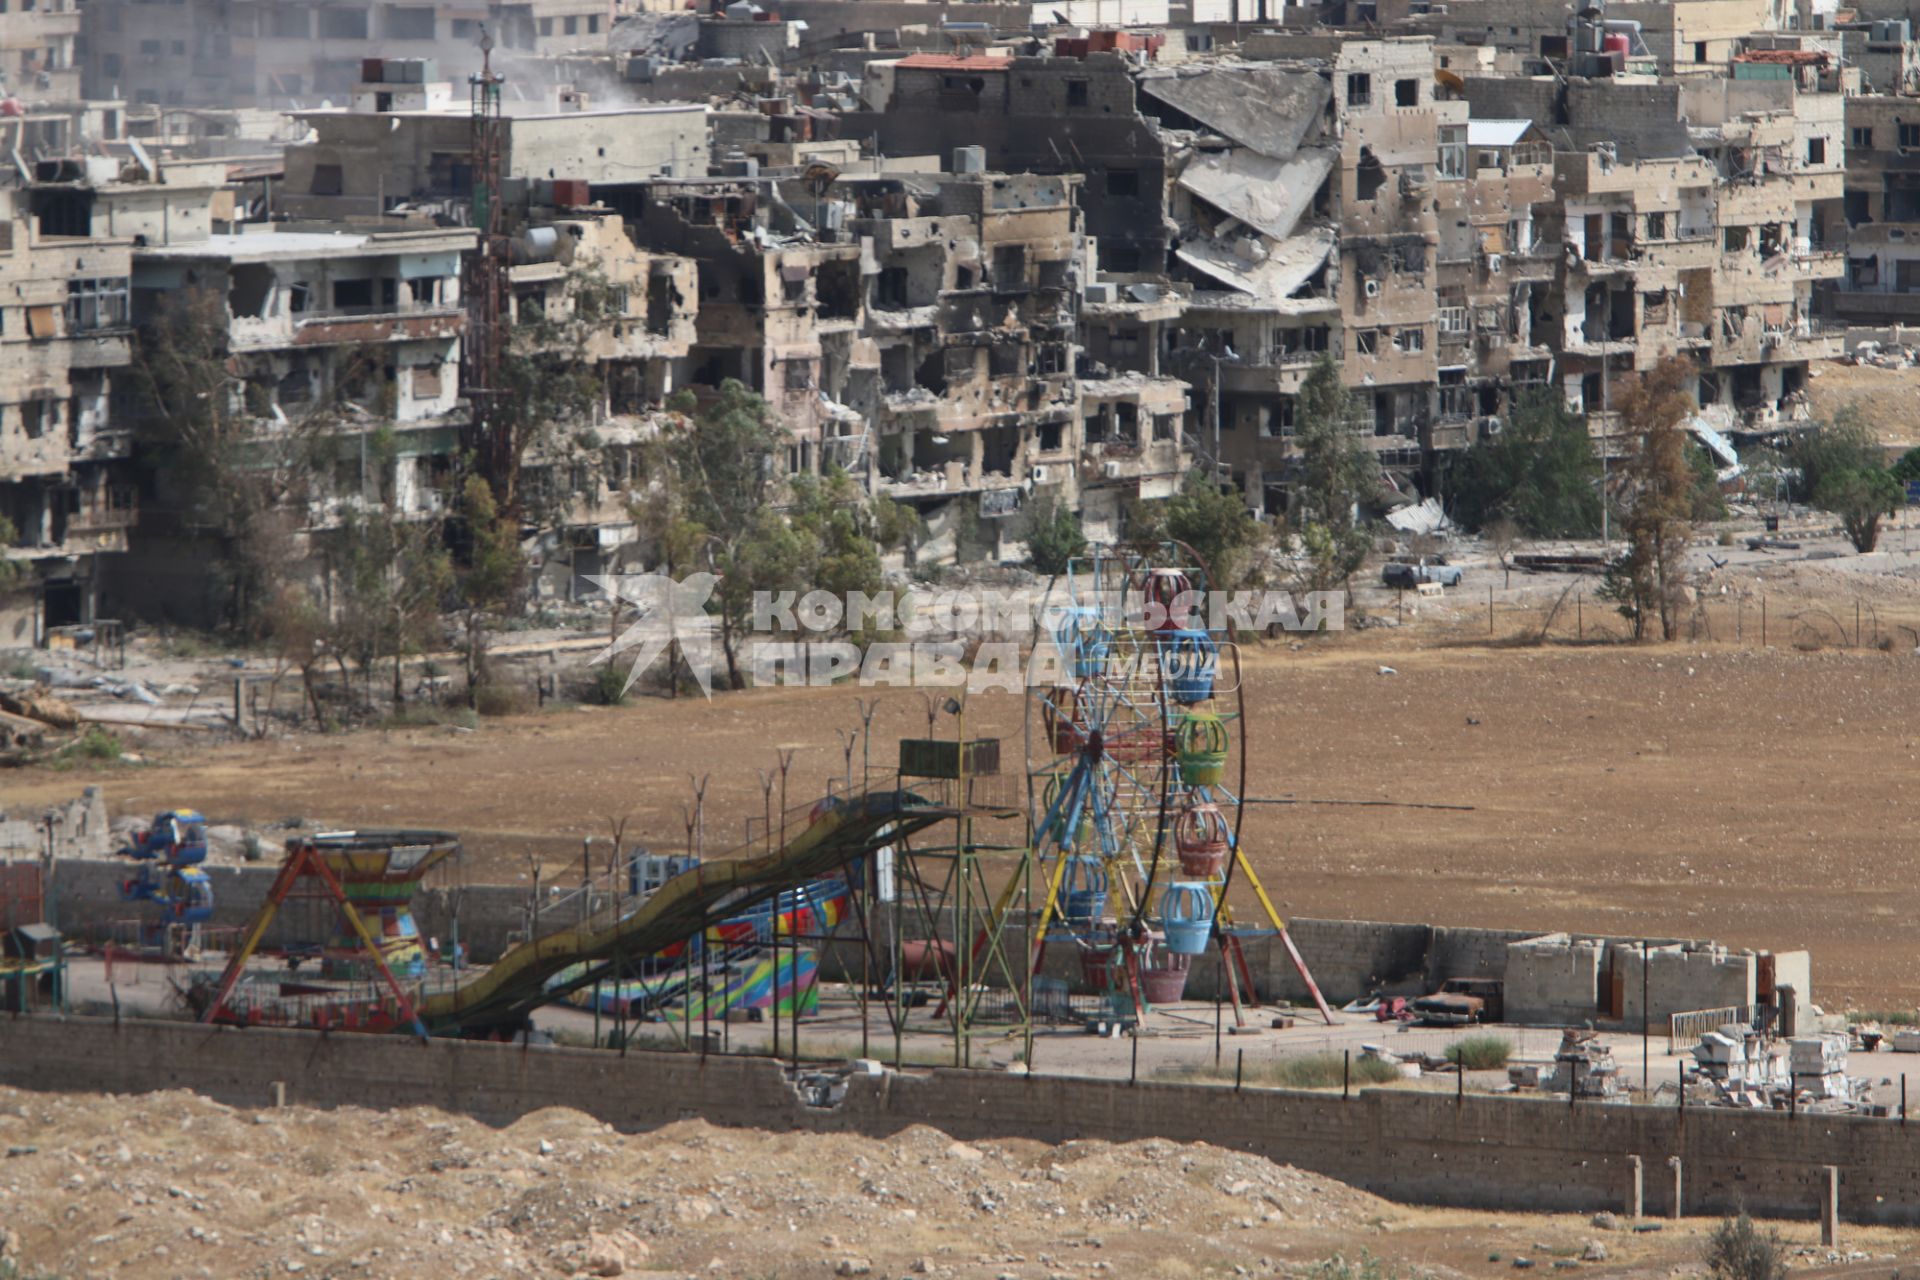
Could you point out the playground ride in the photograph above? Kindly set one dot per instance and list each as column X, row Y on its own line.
column 170, row 881
column 1136, row 823
column 706, row 940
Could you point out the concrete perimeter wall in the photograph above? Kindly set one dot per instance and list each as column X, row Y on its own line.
column 1504, row 1154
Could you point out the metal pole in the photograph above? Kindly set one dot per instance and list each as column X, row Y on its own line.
column 1346, row 1074
column 1133, row 1072
column 1646, row 1016
column 1216, row 1011
column 1239, row 1067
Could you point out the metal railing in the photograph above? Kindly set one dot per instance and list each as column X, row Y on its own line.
column 1686, row 1028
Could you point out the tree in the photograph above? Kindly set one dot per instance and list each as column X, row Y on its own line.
column 548, row 381
column 1336, row 474
column 1655, row 491
column 725, row 457
column 1847, row 443
column 1540, row 472
column 1214, row 524
column 487, row 571
column 1907, row 469
column 1860, row 499
column 392, row 576
column 1053, row 534
column 897, row 526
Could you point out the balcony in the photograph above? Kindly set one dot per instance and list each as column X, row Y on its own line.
column 113, row 509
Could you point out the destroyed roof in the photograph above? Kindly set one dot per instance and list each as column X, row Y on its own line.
column 1273, row 110
column 1268, row 195
column 1496, row 133
column 668, row 35
column 1289, row 265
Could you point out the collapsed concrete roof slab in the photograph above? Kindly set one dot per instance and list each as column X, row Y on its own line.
column 1267, row 194
column 1272, row 109
column 1289, row 265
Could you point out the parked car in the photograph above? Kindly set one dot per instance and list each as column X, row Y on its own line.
column 1462, row 1002
column 1408, row 576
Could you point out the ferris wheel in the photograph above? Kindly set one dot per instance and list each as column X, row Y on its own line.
column 1138, row 760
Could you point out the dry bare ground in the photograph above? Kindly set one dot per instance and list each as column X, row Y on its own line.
column 1711, row 788
column 169, row 1184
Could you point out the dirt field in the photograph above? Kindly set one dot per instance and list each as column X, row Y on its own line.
column 1752, row 796
column 1886, row 396
column 170, row 1184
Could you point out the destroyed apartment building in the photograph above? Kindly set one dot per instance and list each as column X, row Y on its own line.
column 68, row 484
column 971, row 263
column 281, row 54
column 1705, row 228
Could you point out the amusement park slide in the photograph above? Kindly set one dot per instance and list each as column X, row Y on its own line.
column 845, row 828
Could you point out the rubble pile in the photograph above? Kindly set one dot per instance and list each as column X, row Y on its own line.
column 170, row 1183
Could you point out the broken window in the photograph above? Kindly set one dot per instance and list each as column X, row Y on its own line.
column 424, row 290
column 1366, row 342
column 1369, row 175
column 798, row 375
column 1816, row 150
column 836, row 289
column 1005, row 359
column 1277, row 418
column 250, row 289
column 1453, row 151
column 1453, row 319
column 1051, row 436
column 1009, row 266
column 1909, row 136
column 1359, row 89
column 96, row 304
column 1123, row 182
column 327, row 180
column 1862, row 138
column 662, row 298
column 352, row 293
column 1165, row 426
column 1409, row 340
column 1406, row 93
column 1656, row 226
column 300, row 297
column 40, row 322
column 426, row 382
column 896, row 369
column 1736, row 240
column 36, row 416
column 891, row 289
column 1076, row 93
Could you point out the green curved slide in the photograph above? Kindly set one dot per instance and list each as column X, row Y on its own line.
column 503, row 996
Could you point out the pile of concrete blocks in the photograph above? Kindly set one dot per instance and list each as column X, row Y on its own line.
column 1819, row 1066
column 1739, row 1059
column 1585, row 1067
